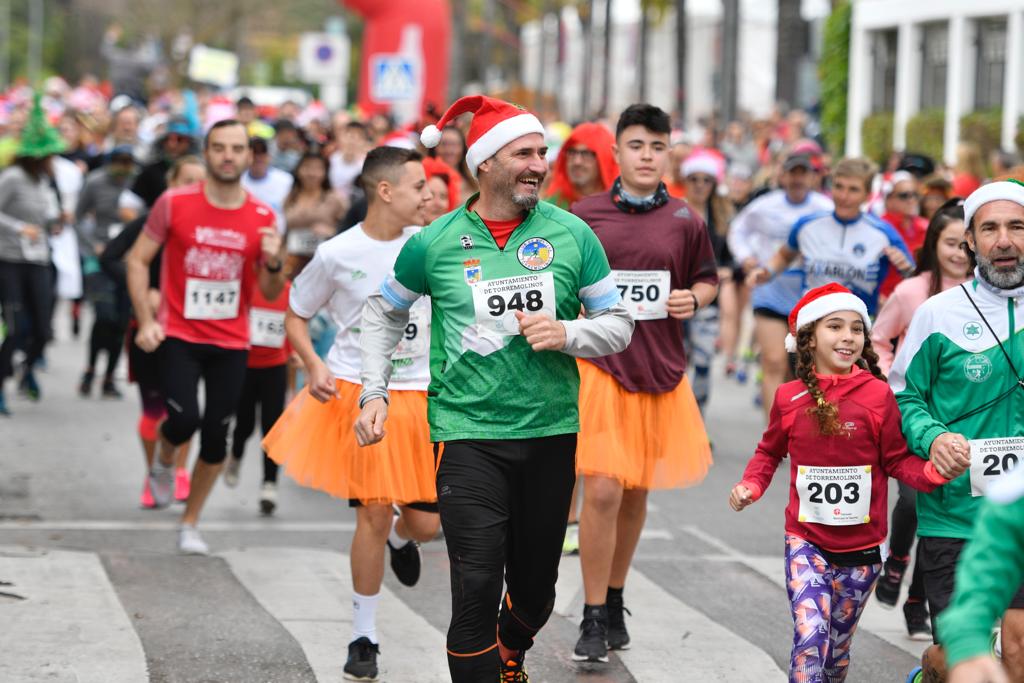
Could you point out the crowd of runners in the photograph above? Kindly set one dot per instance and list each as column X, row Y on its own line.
column 383, row 301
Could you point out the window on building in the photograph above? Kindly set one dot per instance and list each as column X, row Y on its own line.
column 934, row 65
column 990, row 45
column 883, row 77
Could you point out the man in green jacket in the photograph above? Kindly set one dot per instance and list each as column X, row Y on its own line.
column 958, row 384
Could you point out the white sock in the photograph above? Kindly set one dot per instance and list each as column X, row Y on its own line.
column 364, row 616
column 394, row 539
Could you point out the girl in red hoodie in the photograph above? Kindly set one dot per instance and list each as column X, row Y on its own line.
column 840, row 425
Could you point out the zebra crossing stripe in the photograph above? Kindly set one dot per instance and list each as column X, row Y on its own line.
column 62, row 621
column 669, row 633
column 309, row 592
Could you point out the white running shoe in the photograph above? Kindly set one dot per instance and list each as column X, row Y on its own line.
column 161, row 482
column 190, row 542
column 268, row 498
column 231, row 471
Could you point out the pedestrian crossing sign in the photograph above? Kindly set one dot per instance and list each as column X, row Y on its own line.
column 393, row 78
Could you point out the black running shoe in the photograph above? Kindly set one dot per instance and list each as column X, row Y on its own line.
column 887, row 590
column 618, row 636
column 405, row 562
column 593, row 643
column 362, row 660
column 85, row 384
column 514, row 670
column 110, row 390
column 919, row 626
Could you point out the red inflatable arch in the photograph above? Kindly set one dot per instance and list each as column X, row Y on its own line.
column 404, row 55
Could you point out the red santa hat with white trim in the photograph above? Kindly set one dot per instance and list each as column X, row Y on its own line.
column 819, row 302
column 495, row 124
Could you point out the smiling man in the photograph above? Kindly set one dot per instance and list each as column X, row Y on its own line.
column 507, row 276
column 956, row 380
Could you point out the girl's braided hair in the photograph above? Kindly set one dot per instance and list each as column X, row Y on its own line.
column 824, row 411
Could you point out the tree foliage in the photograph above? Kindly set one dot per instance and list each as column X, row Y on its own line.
column 925, row 132
column 834, row 74
column 876, row 137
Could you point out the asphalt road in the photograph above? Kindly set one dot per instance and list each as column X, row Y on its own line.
column 93, row 589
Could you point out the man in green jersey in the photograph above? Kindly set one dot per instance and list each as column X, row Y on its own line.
column 958, row 385
column 987, row 576
column 507, row 276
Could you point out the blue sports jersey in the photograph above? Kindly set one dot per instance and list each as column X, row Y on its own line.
column 847, row 252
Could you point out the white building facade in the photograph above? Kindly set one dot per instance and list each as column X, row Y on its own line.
column 957, row 55
column 755, row 68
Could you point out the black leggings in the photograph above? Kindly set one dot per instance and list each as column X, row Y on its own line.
column 26, row 296
column 264, row 387
column 901, row 537
column 502, row 507
column 182, row 364
column 111, row 306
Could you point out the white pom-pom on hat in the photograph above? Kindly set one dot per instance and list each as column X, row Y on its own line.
column 790, row 344
column 431, row 136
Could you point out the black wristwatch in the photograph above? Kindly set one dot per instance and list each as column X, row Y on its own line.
column 696, row 302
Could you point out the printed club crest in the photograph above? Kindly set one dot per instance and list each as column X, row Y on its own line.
column 536, row 253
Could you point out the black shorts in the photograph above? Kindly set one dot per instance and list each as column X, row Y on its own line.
column 422, row 507
column 771, row 315
column 938, row 558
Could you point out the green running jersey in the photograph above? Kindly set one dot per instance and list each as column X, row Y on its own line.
column 486, row 382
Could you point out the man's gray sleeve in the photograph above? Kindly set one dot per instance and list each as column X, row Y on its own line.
column 601, row 333
column 383, row 328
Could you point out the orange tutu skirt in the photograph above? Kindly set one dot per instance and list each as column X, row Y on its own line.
column 316, row 445
column 648, row 441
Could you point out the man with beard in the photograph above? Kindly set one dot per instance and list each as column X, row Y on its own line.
column 958, row 384
column 218, row 242
column 507, row 276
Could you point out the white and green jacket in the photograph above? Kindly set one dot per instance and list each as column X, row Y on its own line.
column 951, row 376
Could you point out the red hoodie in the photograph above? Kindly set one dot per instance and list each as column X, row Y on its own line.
column 872, row 451
column 598, row 140
column 913, row 230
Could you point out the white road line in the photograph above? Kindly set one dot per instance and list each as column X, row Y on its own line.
column 70, row 626
column 309, row 592
column 886, row 624
column 252, row 525
column 169, row 525
column 667, row 630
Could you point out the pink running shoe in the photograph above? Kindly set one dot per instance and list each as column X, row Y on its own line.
column 146, row 499
column 182, row 484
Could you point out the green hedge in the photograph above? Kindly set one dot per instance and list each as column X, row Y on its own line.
column 984, row 128
column 925, row 132
column 876, row 137
column 1018, row 139
column 834, row 74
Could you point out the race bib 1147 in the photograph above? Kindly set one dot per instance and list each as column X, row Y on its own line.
column 212, row 299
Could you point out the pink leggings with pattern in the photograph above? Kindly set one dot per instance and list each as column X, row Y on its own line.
column 827, row 602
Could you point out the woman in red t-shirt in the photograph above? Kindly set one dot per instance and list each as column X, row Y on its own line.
column 266, row 380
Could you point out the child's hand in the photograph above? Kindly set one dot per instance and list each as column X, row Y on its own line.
column 740, row 497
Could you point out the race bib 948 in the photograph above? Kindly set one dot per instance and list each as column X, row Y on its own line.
column 495, row 302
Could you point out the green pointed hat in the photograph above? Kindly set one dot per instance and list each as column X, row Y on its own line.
column 39, row 139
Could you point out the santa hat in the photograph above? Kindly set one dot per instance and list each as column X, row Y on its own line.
column 702, row 162
column 818, row 303
column 1010, row 190
column 495, row 124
